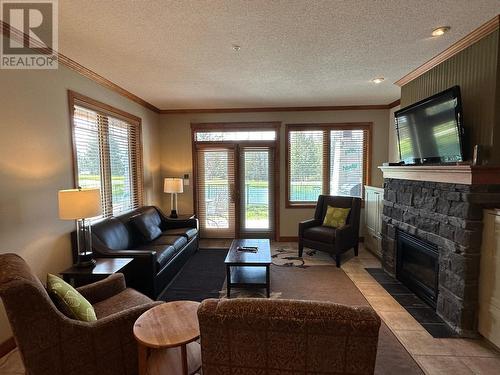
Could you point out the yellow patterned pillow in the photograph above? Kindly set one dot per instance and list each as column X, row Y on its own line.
column 336, row 217
column 69, row 298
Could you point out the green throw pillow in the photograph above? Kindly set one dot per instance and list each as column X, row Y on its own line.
column 69, row 298
column 336, row 217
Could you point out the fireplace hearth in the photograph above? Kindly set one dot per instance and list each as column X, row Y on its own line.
column 445, row 220
column 418, row 266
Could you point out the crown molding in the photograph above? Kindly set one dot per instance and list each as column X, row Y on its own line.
column 471, row 38
column 19, row 36
column 395, row 103
column 281, row 109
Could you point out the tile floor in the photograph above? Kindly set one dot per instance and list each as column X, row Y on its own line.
column 436, row 356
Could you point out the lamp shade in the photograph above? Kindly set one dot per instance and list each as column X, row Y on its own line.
column 173, row 185
column 77, row 204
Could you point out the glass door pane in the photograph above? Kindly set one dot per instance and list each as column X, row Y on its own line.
column 216, row 192
column 256, row 190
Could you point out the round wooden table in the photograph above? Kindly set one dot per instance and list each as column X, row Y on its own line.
column 169, row 325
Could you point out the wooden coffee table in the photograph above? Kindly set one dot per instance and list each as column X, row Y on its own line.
column 169, row 325
column 247, row 269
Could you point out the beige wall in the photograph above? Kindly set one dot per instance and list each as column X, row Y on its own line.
column 176, row 156
column 36, row 161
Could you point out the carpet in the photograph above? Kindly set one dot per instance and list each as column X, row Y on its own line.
column 286, row 255
column 200, row 278
column 329, row 283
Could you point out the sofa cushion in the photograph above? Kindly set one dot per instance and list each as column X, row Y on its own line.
column 163, row 253
column 189, row 233
column 176, row 241
column 320, row 234
column 148, row 224
column 112, row 233
column 120, row 302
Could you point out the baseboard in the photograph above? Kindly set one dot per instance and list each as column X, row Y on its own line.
column 288, row 239
column 7, row 346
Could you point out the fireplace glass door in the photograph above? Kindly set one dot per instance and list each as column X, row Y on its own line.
column 418, row 266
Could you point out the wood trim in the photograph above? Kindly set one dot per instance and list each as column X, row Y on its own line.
column 457, row 174
column 225, row 126
column 104, row 108
column 7, row 346
column 277, row 109
column 367, row 168
column 107, row 110
column 73, row 65
column 471, row 38
column 395, row 103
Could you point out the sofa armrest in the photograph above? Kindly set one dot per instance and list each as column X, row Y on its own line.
column 103, row 289
column 124, row 318
column 141, row 273
column 303, row 225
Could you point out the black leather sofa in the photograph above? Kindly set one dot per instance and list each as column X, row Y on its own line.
column 159, row 246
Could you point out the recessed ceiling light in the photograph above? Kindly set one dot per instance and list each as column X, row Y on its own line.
column 378, row 80
column 236, row 47
column 440, row 30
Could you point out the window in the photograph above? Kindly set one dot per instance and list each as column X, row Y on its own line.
column 326, row 159
column 107, row 153
column 215, row 136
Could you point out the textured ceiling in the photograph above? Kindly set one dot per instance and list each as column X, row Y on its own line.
column 178, row 54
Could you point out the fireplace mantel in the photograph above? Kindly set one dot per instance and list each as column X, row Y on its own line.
column 454, row 174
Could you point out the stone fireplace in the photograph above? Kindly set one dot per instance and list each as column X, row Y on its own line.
column 448, row 217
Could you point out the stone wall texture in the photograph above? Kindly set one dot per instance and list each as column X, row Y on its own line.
column 449, row 216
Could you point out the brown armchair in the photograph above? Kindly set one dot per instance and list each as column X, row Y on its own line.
column 261, row 336
column 51, row 343
column 313, row 234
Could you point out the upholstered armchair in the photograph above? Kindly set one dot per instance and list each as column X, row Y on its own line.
column 262, row 336
column 52, row 344
column 335, row 241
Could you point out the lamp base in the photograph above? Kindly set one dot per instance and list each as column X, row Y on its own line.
column 85, row 260
column 173, row 214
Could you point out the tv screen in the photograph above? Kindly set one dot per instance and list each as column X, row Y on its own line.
column 430, row 131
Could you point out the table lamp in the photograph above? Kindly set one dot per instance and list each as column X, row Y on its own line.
column 173, row 186
column 80, row 204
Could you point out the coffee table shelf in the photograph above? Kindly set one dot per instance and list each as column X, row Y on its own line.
column 248, row 269
column 245, row 276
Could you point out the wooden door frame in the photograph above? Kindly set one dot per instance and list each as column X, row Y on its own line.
column 228, row 126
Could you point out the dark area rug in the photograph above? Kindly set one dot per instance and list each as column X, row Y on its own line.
column 202, row 277
column 417, row 308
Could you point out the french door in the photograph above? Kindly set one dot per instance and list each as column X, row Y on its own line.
column 235, row 189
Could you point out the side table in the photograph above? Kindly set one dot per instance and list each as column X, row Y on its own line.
column 78, row 276
column 167, row 326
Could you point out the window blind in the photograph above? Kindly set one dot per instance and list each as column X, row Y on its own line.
column 347, row 162
column 326, row 159
column 216, row 192
column 108, row 156
column 256, row 189
column 306, row 151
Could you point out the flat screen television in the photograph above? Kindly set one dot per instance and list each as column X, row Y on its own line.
column 431, row 131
